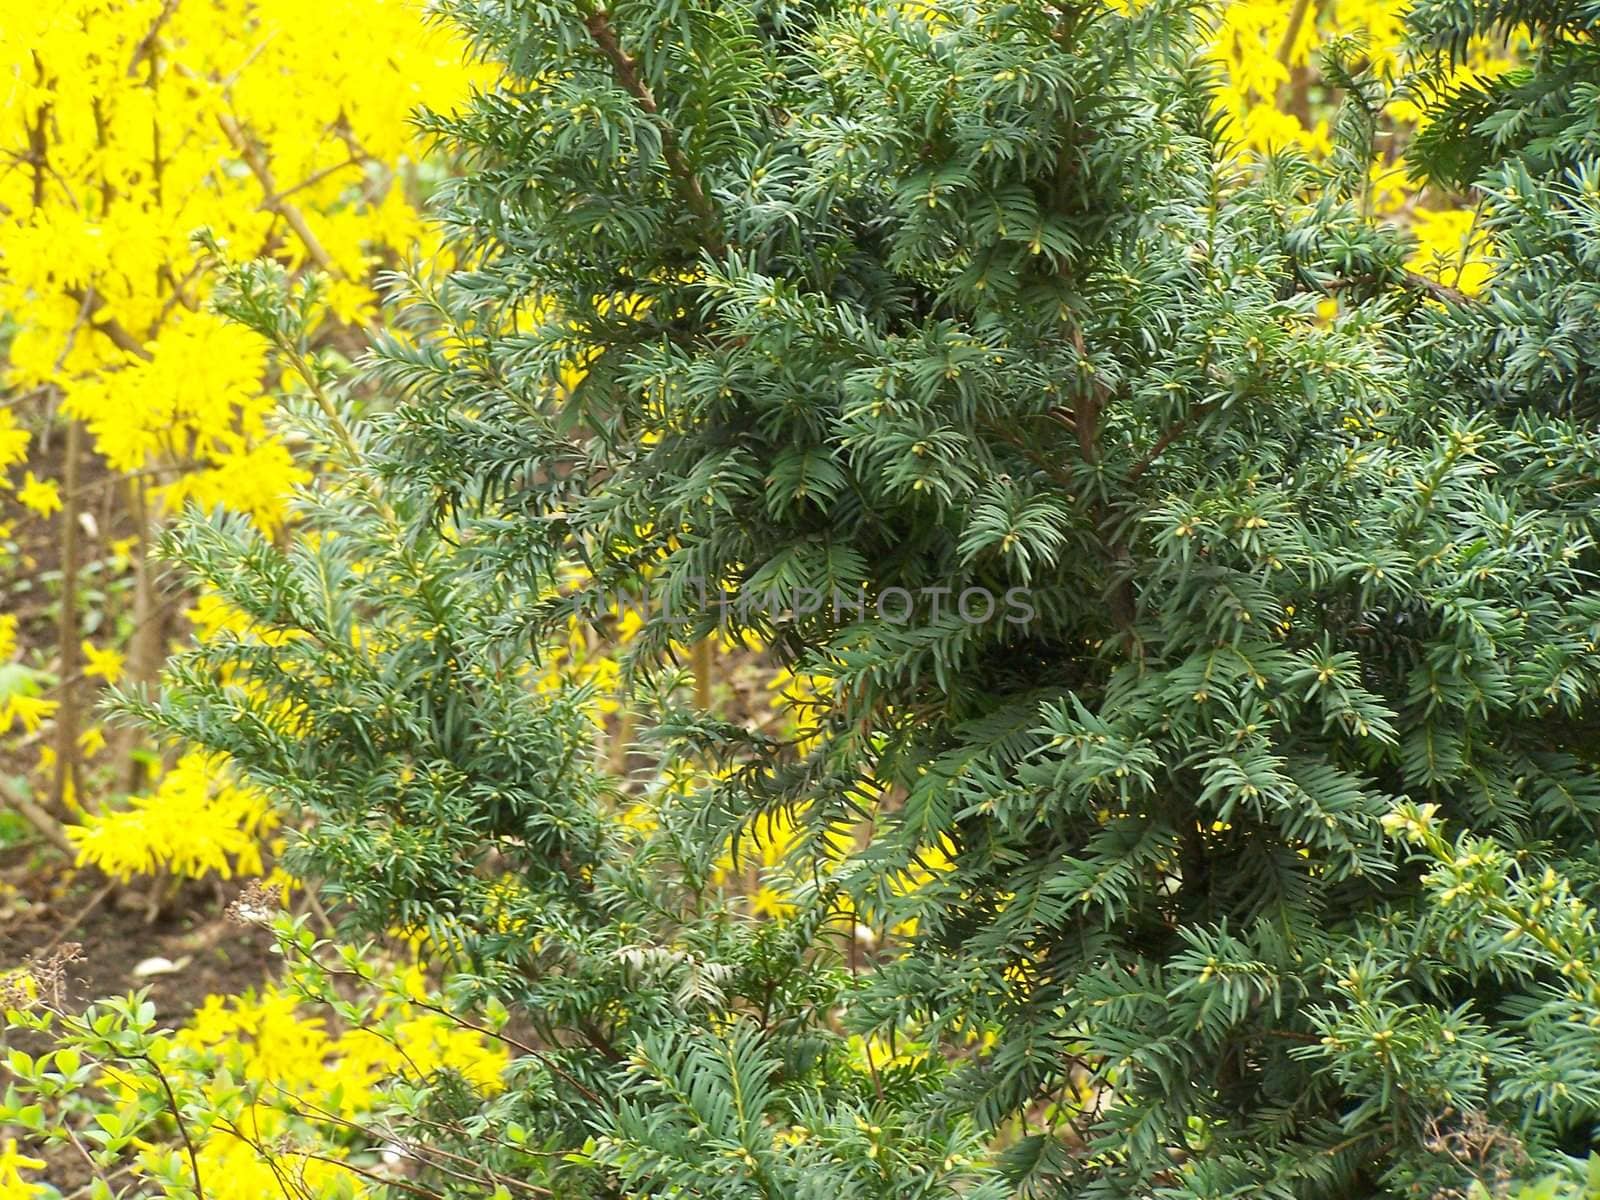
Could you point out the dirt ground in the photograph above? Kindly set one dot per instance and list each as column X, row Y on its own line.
column 118, row 928
column 122, row 938
column 45, row 906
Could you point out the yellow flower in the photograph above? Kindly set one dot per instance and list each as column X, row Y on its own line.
column 12, row 1163
column 106, row 664
column 350, row 302
column 30, row 711
column 8, row 637
column 13, row 440
column 769, row 902
column 40, row 495
column 194, row 823
column 121, row 551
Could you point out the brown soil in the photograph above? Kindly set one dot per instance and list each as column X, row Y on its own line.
column 117, row 931
column 44, row 907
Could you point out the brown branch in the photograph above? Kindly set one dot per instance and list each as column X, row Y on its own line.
column 39, row 143
column 1031, row 453
column 95, row 1173
column 602, row 1044
column 1442, row 292
column 108, row 193
column 1086, row 410
column 49, row 828
column 272, row 199
column 626, row 71
column 109, row 327
column 179, row 294
column 1092, row 398
column 69, row 775
column 1412, row 281
column 150, row 610
column 68, row 781
column 1173, row 433
column 703, row 661
column 148, row 41
column 1292, row 1035
column 1291, row 34
column 158, row 165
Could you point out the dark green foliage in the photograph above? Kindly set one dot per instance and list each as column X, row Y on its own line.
column 1543, row 113
column 441, row 794
column 799, row 300
column 1529, row 142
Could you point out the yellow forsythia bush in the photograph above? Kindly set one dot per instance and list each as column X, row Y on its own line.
column 131, row 124
column 281, row 127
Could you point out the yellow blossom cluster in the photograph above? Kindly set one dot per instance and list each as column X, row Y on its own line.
column 194, row 823
column 127, row 127
column 130, row 125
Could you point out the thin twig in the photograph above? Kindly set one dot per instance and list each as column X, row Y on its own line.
column 77, row 918
column 49, row 828
column 1173, row 433
column 1412, row 281
column 109, row 327
column 183, row 1129
column 317, row 177
column 272, row 199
